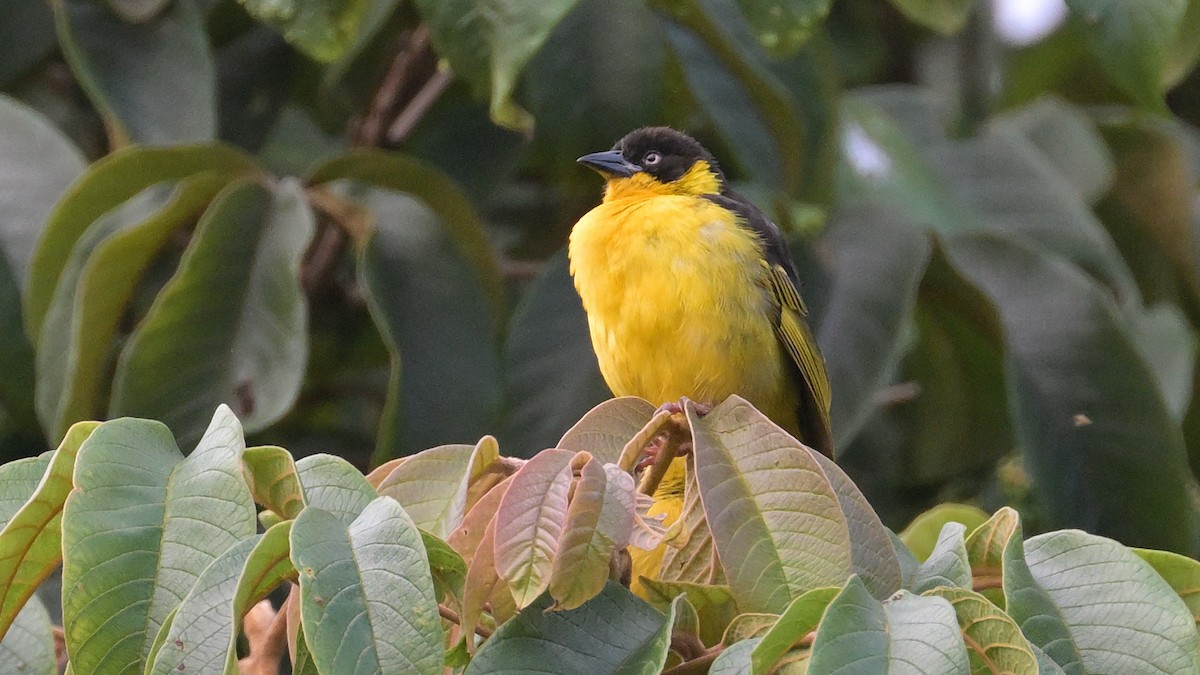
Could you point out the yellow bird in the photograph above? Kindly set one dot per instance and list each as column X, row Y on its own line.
column 690, row 291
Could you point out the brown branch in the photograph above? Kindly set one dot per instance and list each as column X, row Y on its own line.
column 415, row 52
column 452, row 616
column 698, row 665
column 420, row 104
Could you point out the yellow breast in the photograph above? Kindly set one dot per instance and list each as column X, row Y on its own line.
column 675, row 302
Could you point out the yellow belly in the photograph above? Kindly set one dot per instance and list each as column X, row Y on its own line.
column 676, row 307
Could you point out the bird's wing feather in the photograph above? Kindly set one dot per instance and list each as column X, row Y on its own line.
column 808, row 367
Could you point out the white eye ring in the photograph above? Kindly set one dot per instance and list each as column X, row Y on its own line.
column 651, row 158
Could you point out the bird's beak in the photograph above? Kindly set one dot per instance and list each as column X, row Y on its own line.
column 610, row 163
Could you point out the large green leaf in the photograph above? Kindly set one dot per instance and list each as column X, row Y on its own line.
column 1072, row 357
column 251, row 356
column 28, row 646
column 551, row 373
column 614, row 632
column 366, row 594
column 488, row 43
column 775, row 518
column 203, row 635
column 1067, row 138
column 605, row 429
column 1130, row 40
column 333, row 485
column 138, row 530
column 153, row 82
column 924, row 532
column 434, row 314
column 93, row 293
column 37, row 163
column 860, row 634
column 32, row 494
column 432, row 485
column 106, row 184
column 322, row 30
column 1122, row 615
column 1181, row 572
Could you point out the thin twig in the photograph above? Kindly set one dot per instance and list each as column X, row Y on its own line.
column 400, row 72
column 420, row 104
column 452, row 616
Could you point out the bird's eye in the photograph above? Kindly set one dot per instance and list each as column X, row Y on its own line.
column 651, row 158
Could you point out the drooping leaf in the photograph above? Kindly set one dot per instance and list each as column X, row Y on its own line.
column 770, row 507
column 322, row 30
column 273, row 480
column 37, row 163
column 252, row 355
column 432, row 310
column 204, row 633
column 107, row 183
column 614, row 632
column 489, row 43
column 1131, row 41
column 1120, row 613
column 152, row 82
column 32, row 494
column 551, row 373
column 367, row 598
column 139, row 528
column 101, row 276
column 599, row 521
column 530, row 522
column 994, row 641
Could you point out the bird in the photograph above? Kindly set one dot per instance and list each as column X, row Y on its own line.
column 690, row 291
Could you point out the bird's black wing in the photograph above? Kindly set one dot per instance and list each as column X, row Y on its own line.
column 791, row 328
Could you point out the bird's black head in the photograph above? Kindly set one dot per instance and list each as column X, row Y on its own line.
column 668, row 158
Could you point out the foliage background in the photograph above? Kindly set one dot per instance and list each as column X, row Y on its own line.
column 350, row 226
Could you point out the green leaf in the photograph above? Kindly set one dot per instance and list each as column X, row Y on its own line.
column 599, row 522
column 994, row 641
column 770, row 508
column 109, row 182
column 322, row 30
column 17, row 388
column 736, row 659
column 1181, row 572
column 1131, row 41
column 32, row 494
column 26, row 37
column 924, row 532
column 137, row 11
column 782, row 26
column 433, row 311
column 432, row 486
column 28, row 646
column 1121, row 614
column 530, row 522
column 249, row 244
column 448, row 568
column 943, row 16
column 204, row 633
column 367, row 598
column 878, row 264
column 37, row 163
column 799, row 619
column 996, row 549
column 488, row 44
column 861, row 634
column 105, row 266
column 605, row 429
column 614, row 632
column 333, row 485
column 551, row 373
column 273, row 480
column 152, row 82
column 1066, row 137
column 1081, row 392
column 1185, row 51
column 139, row 528
column 947, row 565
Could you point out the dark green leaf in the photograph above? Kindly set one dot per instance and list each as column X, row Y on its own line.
column 944, row 16
column 1130, row 40
column 153, row 82
column 324, row 30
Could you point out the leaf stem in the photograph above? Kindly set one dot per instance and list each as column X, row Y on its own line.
column 698, row 665
column 452, row 616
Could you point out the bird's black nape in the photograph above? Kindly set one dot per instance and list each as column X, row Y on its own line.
column 677, row 150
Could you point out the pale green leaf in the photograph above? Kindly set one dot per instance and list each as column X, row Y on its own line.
column 994, row 641
column 530, row 522
column 947, row 565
